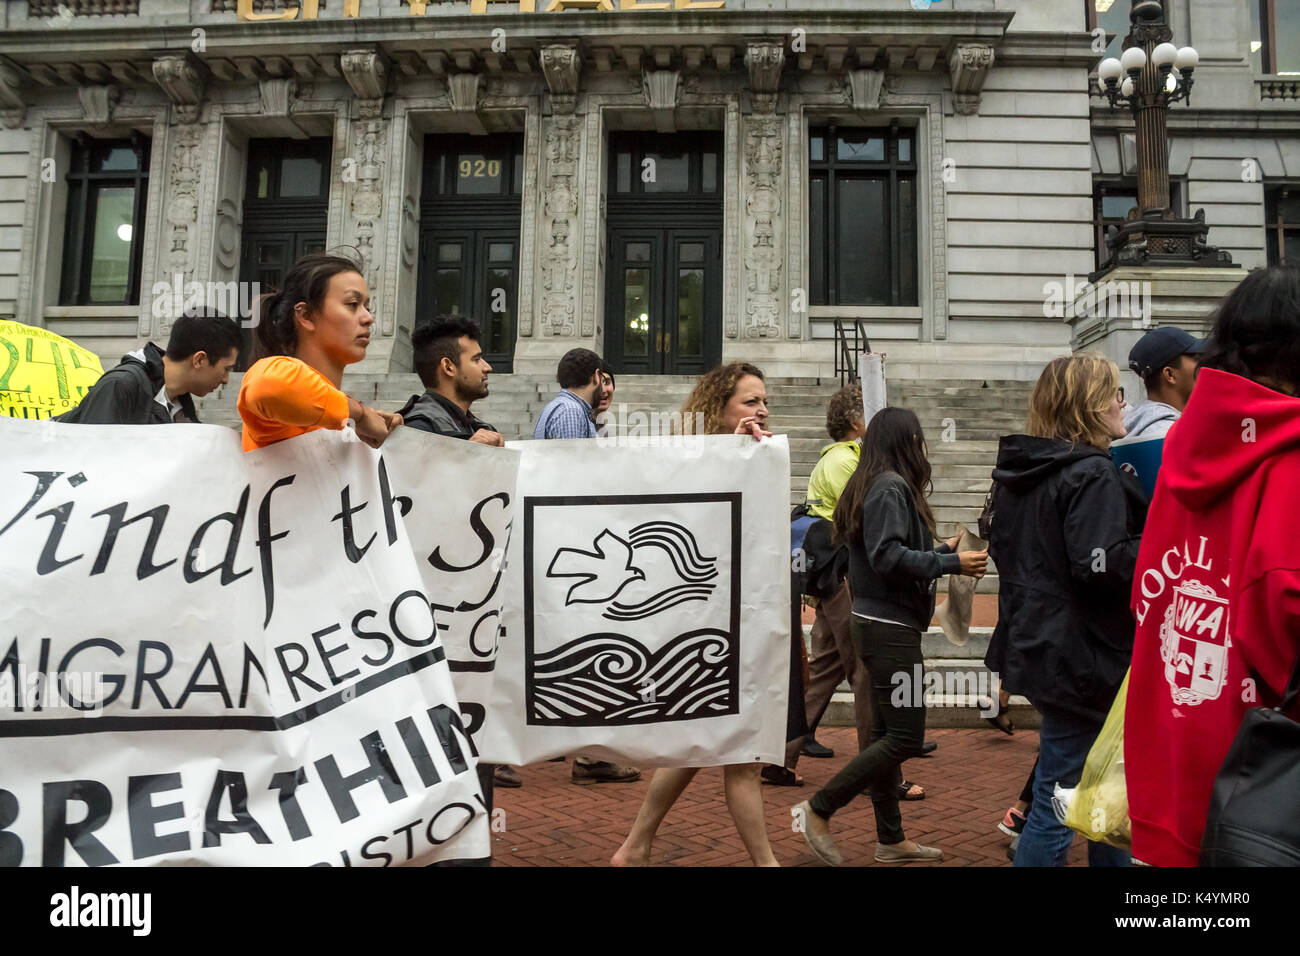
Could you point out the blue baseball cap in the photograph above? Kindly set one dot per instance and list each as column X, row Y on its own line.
column 1160, row 347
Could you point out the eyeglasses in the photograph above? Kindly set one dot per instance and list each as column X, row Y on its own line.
column 1119, row 396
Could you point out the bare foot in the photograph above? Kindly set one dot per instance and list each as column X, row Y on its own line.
column 629, row 856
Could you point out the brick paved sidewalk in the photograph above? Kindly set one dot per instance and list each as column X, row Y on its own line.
column 970, row 781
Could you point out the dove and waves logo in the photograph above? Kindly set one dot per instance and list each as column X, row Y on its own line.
column 604, row 572
column 605, row 676
column 634, row 612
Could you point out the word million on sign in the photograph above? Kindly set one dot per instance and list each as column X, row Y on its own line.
column 352, row 8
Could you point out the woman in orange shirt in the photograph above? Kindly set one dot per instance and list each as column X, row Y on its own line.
column 316, row 325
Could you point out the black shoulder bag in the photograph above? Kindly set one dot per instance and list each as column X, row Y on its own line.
column 1254, row 817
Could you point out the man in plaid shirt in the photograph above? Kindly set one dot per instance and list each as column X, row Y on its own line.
column 568, row 415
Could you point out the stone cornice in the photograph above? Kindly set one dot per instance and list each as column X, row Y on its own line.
column 227, row 37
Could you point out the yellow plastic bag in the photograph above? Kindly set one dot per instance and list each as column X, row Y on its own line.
column 1099, row 807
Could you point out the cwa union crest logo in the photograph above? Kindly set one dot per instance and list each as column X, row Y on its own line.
column 1194, row 643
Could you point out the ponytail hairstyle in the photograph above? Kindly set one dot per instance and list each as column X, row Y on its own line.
column 1256, row 331
column 894, row 442
column 307, row 281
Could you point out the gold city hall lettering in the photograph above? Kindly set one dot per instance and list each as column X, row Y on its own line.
column 310, row 9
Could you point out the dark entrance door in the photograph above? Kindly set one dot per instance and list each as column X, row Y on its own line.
column 663, row 308
column 469, row 236
column 285, row 208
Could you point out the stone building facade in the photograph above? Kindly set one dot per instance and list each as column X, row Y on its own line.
column 923, row 168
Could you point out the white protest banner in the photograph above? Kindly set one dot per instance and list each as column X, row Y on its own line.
column 652, row 618
column 460, row 499
column 871, row 372
column 274, row 689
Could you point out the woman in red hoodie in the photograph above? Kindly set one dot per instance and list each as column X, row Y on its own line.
column 1216, row 594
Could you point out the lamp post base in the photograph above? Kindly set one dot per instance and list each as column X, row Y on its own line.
column 1162, row 240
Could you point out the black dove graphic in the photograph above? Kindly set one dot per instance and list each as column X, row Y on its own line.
column 604, row 572
column 601, row 573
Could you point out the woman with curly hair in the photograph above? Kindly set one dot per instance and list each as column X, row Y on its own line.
column 731, row 399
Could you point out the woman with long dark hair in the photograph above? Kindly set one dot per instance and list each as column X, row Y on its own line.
column 884, row 518
column 308, row 332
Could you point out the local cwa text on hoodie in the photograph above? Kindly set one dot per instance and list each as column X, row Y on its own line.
column 1216, row 597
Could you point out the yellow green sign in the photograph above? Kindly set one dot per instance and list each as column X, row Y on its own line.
column 42, row 374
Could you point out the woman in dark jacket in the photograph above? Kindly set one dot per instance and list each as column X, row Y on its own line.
column 885, row 520
column 1065, row 540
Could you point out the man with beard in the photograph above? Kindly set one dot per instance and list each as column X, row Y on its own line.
column 449, row 360
column 450, row 363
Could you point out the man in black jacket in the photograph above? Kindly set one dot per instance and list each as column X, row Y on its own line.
column 450, row 363
column 449, row 360
column 153, row 387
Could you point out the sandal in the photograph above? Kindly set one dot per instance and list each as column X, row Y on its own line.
column 905, row 791
column 781, row 776
column 1002, row 721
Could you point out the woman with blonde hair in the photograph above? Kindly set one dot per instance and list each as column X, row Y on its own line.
column 731, row 399
column 1065, row 540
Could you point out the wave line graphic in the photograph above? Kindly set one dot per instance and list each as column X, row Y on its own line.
column 608, row 677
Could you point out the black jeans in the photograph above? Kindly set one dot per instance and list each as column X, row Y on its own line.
column 897, row 728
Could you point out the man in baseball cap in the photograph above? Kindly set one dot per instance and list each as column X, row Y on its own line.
column 1165, row 360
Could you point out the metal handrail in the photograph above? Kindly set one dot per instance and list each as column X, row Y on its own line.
column 846, row 356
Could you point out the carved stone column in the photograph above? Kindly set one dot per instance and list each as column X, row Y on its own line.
column 182, row 78
column 363, row 172
column 559, row 227
column 763, row 197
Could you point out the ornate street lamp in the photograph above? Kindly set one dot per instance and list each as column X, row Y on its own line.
column 1154, row 74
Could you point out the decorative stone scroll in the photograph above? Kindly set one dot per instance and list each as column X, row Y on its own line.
column 277, row 95
column 182, row 79
column 13, row 108
column 764, row 60
column 661, row 90
column 969, row 65
column 561, row 65
column 98, row 103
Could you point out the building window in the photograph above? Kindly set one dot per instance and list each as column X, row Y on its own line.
column 652, row 163
column 288, row 170
column 1111, row 16
column 1111, row 202
column 475, row 166
column 1282, row 223
column 862, row 216
column 1275, row 36
column 107, row 187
